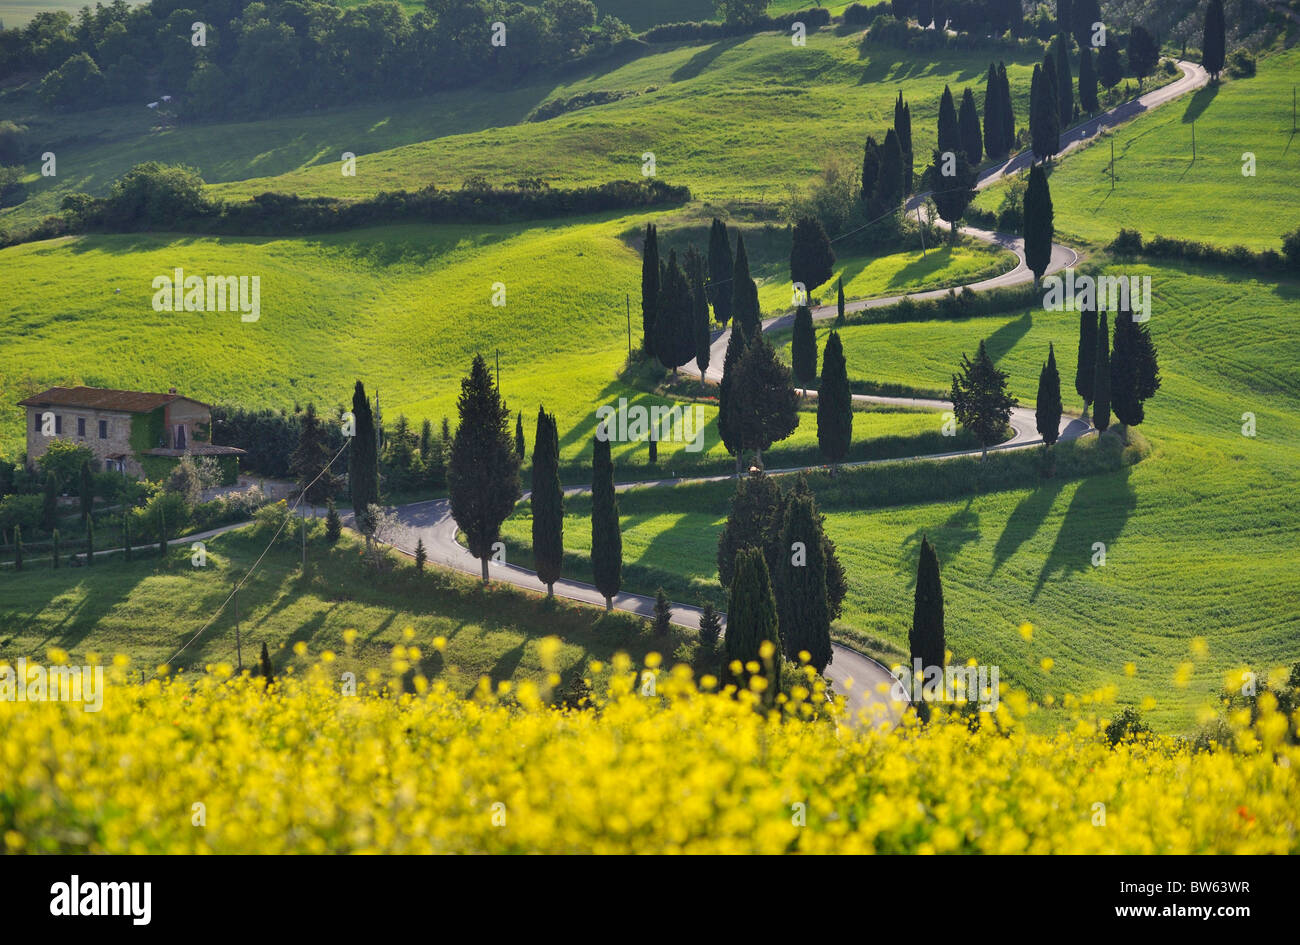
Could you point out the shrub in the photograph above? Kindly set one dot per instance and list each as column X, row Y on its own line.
column 1126, row 725
column 1240, row 65
column 1291, row 250
column 1126, row 243
column 857, row 14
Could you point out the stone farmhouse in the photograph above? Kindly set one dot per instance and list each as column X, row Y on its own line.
column 136, row 433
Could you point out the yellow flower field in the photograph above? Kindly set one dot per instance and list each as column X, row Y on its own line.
column 214, row 763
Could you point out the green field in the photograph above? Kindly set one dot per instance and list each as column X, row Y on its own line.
column 1200, row 536
column 149, row 613
column 1161, row 191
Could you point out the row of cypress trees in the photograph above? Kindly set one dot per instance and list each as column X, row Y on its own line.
column 1118, row 377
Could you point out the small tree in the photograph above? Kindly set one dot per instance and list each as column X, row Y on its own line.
column 720, row 272
column 421, row 556
column 606, row 537
column 811, row 257
column 1064, row 80
column 1101, row 377
column 1125, row 402
column 767, row 408
column 547, row 501
column 267, row 672
column 968, row 123
column 520, row 446
column 954, row 191
column 745, row 310
column 926, row 638
column 949, row 134
column 800, row 578
column 649, row 286
column 980, row 399
column 1008, row 110
column 86, row 492
column 309, row 462
column 903, row 128
column 50, row 503
column 363, row 461
column 333, row 524
column 674, row 329
column 1044, row 111
column 1109, row 68
column 710, row 627
column 751, row 623
column 1039, row 227
column 888, row 192
column 728, row 396
column 1085, row 373
column 1087, row 81
column 1048, row 407
column 54, row 547
column 701, row 329
column 803, row 348
column 662, row 620
column 839, row 301
column 834, row 404
column 870, row 170
column 1143, row 53
column 994, row 137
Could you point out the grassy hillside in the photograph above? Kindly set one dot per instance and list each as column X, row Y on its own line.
column 1199, row 537
column 149, row 613
column 1161, row 191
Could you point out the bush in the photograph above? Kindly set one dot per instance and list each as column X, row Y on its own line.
column 272, row 519
column 1130, row 243
column 1126, row 243
column 1126, row 725
column 856, row 14
column 1291, row 250
column 175, row 517
column 1240, row 64
column 65, row 458
column 23, row 511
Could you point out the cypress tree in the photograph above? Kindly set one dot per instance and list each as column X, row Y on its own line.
column 980, row 399
column 1064, row 15
column 606, row 538
column 766, row 407
column 483, row 474
column 162, row 536
column 994, row 138
column 50, row 503
column 1008, row 110
column 90, row 542
column 662, row 621
column 1064, row 80
column 728, row 397
column 870, row 171
column 1087, row 81
column 1084, row 14
column 968, row 122
column 363, row 463
column 674, row 328
column 333, row 524
column 18, row 547
column 421, row 555
column 1124, row 400
column 649, row 286
column 751, row 622
column 701, row 331
column 1044, row 115
column 720, row 271
column 1048, row 407
column 1148, row 367
column 547, row 500
column 953, row 194
column 520, row 446
column 86, row 491
column 1101, row 377
column 1109, row 68
column 126, row 537
column 839, row 301
column 803, row 348
column 1214, row 42
column 1085, row 373
column 267, row 672
column 754, row 520
column 744, row 298
column 811, row 256
column 949, row 129
column 653, row 457
column 802, row 609
column 710, row 627
column 889, row 184
column 1143, row 53
column 926, row 638
column 1039, row 226
column 54, row 545
column 426, row 438
column 311, row 457
column 834, row 404
column 903, row 129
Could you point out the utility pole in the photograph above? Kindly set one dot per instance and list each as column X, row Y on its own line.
column 1112, row 162
column 921, row 227
column 498, row 369
column 304, row 540
column 1193, row 140
column 1293, row 128
column 239, row 653
column 627, row 297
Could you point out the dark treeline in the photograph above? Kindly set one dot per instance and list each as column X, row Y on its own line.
column 257, row 57
column 152, row 195
column 813, row 18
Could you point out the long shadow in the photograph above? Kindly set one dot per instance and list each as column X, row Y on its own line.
column 703, row 59
column 1098, row 512
column 1005, row 338
column 1200, row 102
column 948, row 538
column 1025, row 520
column 917, row 267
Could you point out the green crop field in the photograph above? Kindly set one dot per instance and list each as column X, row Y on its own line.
column 1161, row 191
column 1199, row 536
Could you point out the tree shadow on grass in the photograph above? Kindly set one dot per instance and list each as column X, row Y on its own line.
column 1098, row 512
column 1008, row 336
column 948, row 538
column 705, row 58
column 1200, row 102
column 1025, row 520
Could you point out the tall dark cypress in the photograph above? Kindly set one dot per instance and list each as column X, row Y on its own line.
column 1048, row 407
column 90, row 541
column 811, row 256
column 1124, row 400
column 606, row 537
column 1064, row 80
column 1084, row 14
column 766, row 404
column 1087, row 81
column 744, row 297
column 649, row 286
column 802, row 609
column 1148, row 367
column 1085, row 373
column 483, row 472
column 520, row 446
column 268, row 674
column 701, row 329
column 1109, row 67
column 903, row 128
column 86, row 491
column 1214, row 41
column 728, row 397
column 803, row 348
column 839, row 300
column 870, row 170
column 994, row 139
column 949, row 129
column 926, row 638
column 547, row 500
column 1044, row 116
column 751, row 622
column 363, row 460
column 674, row 330
column 834, row 404
column 968, row 122
column 1101, row 376
column 1008, row 110
column 889, row 184
column 1039, row 226
column 720, row 269
column 50, row 502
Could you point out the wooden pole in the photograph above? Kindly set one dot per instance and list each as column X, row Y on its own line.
column 1112, row 162
column 922, row 228
column 239, row 653
column 498, row 369
column 1193, row 140
column 304, row 541
column 627, row 297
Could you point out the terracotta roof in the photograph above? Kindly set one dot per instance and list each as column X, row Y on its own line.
column 198, row 449
column 102, row 398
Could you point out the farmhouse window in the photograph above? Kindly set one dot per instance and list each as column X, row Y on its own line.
column 103, row 429
column 81, row 426
column 58, row 423
column 180, row 437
